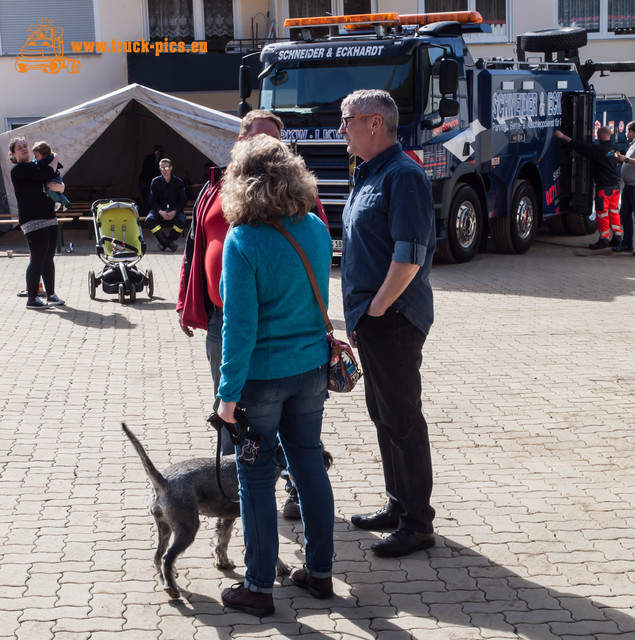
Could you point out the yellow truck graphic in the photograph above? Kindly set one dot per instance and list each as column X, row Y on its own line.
column 44, row 50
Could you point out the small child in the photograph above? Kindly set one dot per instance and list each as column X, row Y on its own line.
column 44, row 156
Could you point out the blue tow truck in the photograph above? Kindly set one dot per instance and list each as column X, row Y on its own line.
column 481, row 129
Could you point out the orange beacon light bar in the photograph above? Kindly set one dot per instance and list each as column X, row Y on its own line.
column 331, row 21
column 464, row 17
column 363, row 19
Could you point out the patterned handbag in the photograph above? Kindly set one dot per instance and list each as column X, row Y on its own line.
column 344, row 372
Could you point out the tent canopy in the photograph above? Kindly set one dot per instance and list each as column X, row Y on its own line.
column 102, row 143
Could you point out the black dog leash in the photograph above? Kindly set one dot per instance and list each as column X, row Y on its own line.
column 234, row 430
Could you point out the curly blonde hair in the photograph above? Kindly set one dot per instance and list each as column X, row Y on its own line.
column 265, row 183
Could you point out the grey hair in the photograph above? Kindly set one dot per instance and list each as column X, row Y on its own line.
column 375, row 101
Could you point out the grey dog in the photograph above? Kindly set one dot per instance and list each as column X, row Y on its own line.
column 180, row 494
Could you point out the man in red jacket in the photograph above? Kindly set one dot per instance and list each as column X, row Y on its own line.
column 199, row 303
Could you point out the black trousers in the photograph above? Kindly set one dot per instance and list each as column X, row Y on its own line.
column 42, row 244
column 390, row 354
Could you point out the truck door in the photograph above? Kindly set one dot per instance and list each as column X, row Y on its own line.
column 576, row 182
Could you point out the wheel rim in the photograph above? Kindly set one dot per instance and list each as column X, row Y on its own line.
column 466, row 224
column 525, row 217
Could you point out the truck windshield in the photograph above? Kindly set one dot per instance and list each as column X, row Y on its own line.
column 319, row 87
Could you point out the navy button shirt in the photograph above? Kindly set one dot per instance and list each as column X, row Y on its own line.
column 389, row 216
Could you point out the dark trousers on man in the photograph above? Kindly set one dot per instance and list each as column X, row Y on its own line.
column 627, row 210
column 390, row 354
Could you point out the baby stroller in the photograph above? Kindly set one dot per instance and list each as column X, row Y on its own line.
column 120, row 247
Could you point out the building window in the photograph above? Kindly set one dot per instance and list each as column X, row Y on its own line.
column 494, row 13
column 602, row 18
column 52, row 25
column 188, row 20
column 19, row 121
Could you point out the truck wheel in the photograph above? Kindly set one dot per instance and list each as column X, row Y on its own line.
column 514, row 234
column 553, row 39
column 581, row 225
column 558, row 225
column 465, row 226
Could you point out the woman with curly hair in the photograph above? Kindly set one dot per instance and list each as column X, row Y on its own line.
column 275, row 360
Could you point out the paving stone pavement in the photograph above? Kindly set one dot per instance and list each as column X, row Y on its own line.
column 528, row 388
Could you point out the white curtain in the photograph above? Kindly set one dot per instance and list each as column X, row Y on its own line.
column 219, row 19
column 171, row 19
column 579, row 13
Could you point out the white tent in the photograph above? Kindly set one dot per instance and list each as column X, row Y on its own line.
column 102, row 143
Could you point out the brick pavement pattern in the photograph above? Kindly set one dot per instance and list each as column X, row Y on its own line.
column 528, row 388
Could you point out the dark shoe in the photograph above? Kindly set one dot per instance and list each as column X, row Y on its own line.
column 386, row 518
column 161, row 239
column 254, row 602
column 172, row 246
column 320, row 588
column 291, row 509
column 37, row 304
column 54, row 301
column 616, row 241
column 403, row 542
column 602, row 243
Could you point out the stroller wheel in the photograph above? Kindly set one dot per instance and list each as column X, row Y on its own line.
column 121, row 292
column 92, row 285
column 150, row 283
column 133, row 293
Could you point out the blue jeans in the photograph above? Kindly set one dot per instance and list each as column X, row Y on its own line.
column 290, row 408
column 214, row 350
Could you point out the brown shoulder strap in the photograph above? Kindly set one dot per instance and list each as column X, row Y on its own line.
column 309, row 270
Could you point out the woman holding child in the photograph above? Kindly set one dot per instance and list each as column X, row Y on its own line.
column 275, row 360
column 36, row 215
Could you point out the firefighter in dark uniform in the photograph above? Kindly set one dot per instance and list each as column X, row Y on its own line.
column 167, row 201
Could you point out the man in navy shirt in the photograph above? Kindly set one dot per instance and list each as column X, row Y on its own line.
column 167, row 201
column 388, row 242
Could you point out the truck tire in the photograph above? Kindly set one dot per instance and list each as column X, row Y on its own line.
column 553, row 39
column 515, row 233
column 465, row 227
column 581, row 225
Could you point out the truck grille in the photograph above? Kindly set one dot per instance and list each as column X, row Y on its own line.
column 329, row 161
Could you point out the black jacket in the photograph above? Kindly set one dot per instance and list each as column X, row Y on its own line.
column 603, row 161
column 164, row 193
column 28, row 183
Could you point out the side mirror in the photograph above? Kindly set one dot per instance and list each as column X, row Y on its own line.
column 244, row 82
column 448, row 76
column 448, row 107
column 243, row 109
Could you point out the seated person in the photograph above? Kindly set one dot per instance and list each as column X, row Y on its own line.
column 167, row 201
column 44, row 156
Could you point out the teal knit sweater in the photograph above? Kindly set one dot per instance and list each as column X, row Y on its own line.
column 272, row 327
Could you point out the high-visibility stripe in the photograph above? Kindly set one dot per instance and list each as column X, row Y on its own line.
column 155, row 229
column 178, row 229
column 602, row 214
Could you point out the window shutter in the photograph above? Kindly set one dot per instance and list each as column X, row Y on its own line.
column 74, row 16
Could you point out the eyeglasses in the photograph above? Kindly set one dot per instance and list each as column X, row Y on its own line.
column 165, row 168
column 345, row 119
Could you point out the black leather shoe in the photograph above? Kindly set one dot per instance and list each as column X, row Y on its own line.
column 386, row 518
column 403, row 542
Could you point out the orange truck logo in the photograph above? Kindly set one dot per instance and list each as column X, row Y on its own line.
column 44, row 50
